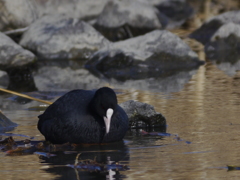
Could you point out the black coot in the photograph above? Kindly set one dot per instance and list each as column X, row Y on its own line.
column 82, row 116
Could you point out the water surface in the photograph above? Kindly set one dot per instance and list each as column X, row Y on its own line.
column 200, row 106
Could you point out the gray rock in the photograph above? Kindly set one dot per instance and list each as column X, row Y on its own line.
column 117, row 13
column 61, row 37
column 177, row 12
column 224, row 44
column 223, row 48
column 73, row 8
column 150, row 55
column 16, row 14
column 225, row 31
column 21, row 13
column 126, row 18
column 143, row 47
column 5, row 123
column 153, row 2
column 209, row 28
column 142, row 115
column 12, row 55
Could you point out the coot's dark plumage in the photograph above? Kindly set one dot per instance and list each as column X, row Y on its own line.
column 82, row 116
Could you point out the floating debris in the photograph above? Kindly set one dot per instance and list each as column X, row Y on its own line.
column 20, row 150
column 46, row 150
column 45, row 154
column 179, row 139
column 8, row 140
column 26, row 146
column 7, row 144
column 91, row 165
column 231, row 167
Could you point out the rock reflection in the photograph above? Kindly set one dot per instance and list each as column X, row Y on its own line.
column 54, row 77
column 224, row 55
column 105, row 154
column 68, row 75
column 21, row 79
column 229, row 68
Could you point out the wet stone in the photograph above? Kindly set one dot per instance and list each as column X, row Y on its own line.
column 149, row 55
column 22, row 13
column 73, row 8
column 124, row 19
column 60, row 37
column 16, row 14
column 142, row 115
column 12, row 55
column 210, row 27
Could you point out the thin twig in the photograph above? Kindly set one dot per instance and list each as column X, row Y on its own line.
column 77, row 175
column 16, row 31
column 76, row 159
column 25, row 96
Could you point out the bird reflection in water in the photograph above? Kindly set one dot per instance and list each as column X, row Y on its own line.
column 105, row 161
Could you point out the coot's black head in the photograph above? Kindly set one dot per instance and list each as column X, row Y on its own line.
column 104, row 103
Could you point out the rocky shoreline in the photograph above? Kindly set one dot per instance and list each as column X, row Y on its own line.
column 47, row 43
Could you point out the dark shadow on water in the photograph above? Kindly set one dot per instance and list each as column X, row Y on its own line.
column 21, row 79
column 113, row 153
column 136, row 137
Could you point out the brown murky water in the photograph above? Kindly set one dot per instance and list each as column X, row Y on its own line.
column 203, row 109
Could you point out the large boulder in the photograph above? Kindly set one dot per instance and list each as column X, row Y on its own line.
column 17, row 62
column 149, row 55
column 73, row 8
column 61, row 37
column 142, row 115
column 121, row 20
column 21, row 13
column 207, row 30
column 16, row 14
column 12, row 55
